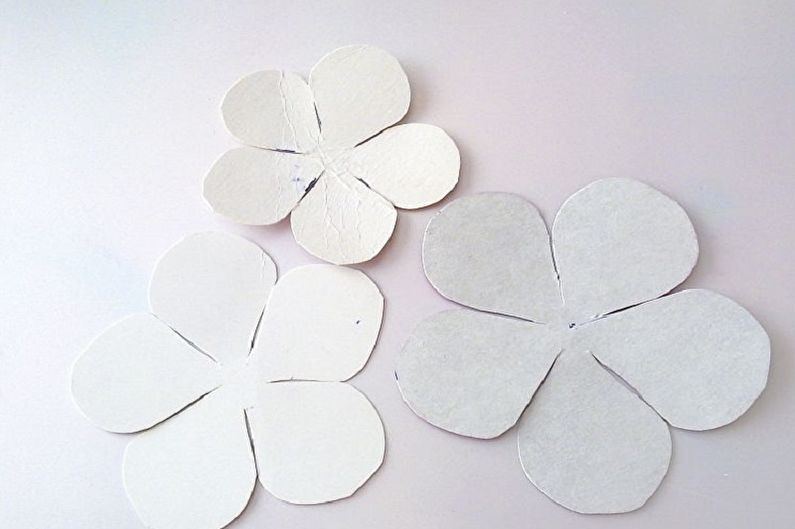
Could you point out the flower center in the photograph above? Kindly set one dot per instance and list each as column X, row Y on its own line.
column 329, row 158
column 565, row 328
column 240, row 379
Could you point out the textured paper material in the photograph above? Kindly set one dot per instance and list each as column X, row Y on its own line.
column 405, row 164
column 241, row 183
column 346, row 179
column 668, row 349
column 496, row 237
column 196, row 469
column 589, row 443
column 273, row 110
column 359, row 91
column 698, row 359
column 503, row 357
column 617, row 243
column 315, row 440
column 342, row 220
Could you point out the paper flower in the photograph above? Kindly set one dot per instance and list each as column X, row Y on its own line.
column 210, row 357
column 320, row 150
column 606, row 380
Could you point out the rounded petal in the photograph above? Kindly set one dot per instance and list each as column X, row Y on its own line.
column 696, row 357
column 590, row 444
column 321, row 323
column 138, row 373
column 194, row 471
column 618, row 242
column 211, row 288
column 412, row 165
column 256, row 186
column 491, row 252
column 359, row 91
column 472, row 373
column 315, row 442
column 342, row 221
column 272, row 109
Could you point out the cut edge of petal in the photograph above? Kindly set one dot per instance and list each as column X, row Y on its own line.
column 638, row 505
column 148, row 424
column 249, row 493
column 666, row 416
column 461, row 303
column 641, row 501
column 349, row 492
column 342, row 261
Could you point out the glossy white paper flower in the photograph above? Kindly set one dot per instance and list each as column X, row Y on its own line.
column 320, row 150
column 219, row 381
column 580, row 328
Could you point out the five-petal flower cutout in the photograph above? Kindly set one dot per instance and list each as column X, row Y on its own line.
column 328, row 152
column 571, row 338
column 235, row 376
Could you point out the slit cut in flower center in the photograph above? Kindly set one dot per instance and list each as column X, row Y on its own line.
column 240, row 380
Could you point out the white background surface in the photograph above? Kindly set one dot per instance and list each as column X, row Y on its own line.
column 109, row 119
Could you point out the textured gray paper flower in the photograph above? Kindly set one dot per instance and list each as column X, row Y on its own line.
column 579, row 332
column 235, row 377
column 327, row 152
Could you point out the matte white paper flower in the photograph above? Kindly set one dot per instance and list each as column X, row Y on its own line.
column 241, row 380
column 606, row 380
column 320, row 150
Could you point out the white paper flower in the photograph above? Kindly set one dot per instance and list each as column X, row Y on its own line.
column 696, row 359
column 210, row 356
column 318, row 150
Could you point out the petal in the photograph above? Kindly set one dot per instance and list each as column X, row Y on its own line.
column 342, row 221
column 315, row 442
column 211, row 288
column 696, row 357
column 618, row 242
column 272, row 109
column 256, row 186
column 413, row 165
column 359, row 91
column 590, row 444
column 321, row 323
column 472, row 373
column 194, row 471
column 139, row 372
column 491, row 252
